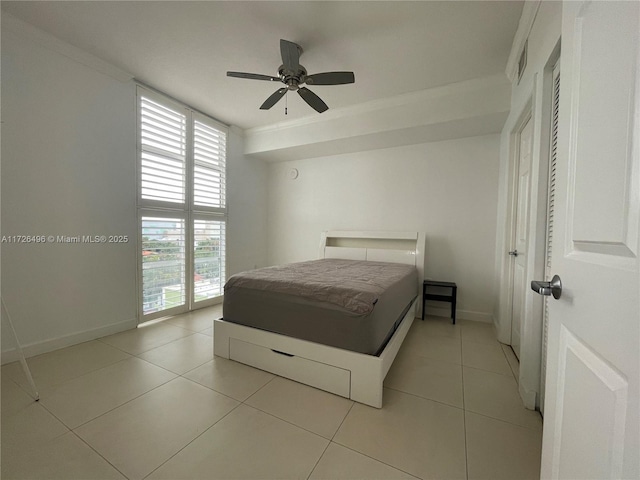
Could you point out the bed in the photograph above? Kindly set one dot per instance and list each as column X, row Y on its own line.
column 310, row 331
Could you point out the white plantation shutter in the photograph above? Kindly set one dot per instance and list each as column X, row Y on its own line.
column 182, row 206
column 209, row 209
column 163, row 148
column 209, row 155
column 163, row 263
column 209, row 258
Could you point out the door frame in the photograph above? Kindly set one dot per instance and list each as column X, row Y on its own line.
column 538, row 105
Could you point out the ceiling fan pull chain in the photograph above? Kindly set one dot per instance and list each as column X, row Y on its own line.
column 286, row 102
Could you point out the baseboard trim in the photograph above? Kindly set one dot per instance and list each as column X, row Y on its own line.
column 500, row 334
column 45, row 346
column 528, row 397
column 460, row 314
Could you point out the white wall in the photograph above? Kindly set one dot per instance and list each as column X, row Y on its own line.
column 447, row 189
column 469, row 108
column 68, row 168
column 247, row 207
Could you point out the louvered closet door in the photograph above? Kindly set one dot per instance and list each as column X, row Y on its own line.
column 550, row 217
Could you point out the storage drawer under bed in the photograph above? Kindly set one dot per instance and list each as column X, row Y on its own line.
column 320, row 375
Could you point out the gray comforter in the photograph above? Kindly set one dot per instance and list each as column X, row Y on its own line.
column 351, row 284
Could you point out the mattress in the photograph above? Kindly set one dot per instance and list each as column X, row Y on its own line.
column 348, row 304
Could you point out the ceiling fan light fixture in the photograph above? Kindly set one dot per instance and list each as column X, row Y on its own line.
column 292, row 75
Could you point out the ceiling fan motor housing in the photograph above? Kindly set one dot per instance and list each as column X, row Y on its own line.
column 292, row 79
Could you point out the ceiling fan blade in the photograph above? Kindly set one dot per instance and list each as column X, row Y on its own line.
column 253, row 76
column 330, row 78
column 313, row 100
column 290, row 55
column 273, row 99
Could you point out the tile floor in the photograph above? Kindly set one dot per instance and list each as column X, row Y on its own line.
column 154, row 403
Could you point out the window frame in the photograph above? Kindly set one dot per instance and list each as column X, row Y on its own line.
column 187, row 211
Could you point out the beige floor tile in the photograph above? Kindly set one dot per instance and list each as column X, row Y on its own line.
column 84, row 398
column 230, row 378
column 437, row 326
column 427, row 378
column 138, row 414
column 183, row 354
column 485, row 356
column 61, row 365
column 31, row 426
column 208, row 331
column 65, row 458
column 197, row 320
column 512, row 359
column 479, row 332
column 14, row 398
column 245, row 444
column 307, row 407
column 419, row 341
column 418, row 436
column 214, row 311
column 496, row 396
column 340, row 463
column 142, row 434
column 497, row 450
column 141, row 339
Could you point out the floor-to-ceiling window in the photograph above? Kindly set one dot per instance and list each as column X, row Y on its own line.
column 181, row 206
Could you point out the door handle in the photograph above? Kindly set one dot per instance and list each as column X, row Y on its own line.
column 513, row 253
column 554, row 287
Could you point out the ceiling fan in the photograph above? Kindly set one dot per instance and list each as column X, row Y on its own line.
column 294, row 75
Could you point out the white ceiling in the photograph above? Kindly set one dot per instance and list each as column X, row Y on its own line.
column 184, row 48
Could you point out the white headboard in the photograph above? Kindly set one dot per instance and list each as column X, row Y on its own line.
column 396, row 247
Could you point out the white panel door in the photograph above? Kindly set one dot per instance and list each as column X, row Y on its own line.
column 521, row 237
column 592, row 425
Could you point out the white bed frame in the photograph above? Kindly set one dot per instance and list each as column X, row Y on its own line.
column 350, row 374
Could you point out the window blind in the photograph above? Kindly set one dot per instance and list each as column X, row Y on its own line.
column 163, row 152
column 209, row 154
column 163, row 263
column 209, row 259
column 182, row 206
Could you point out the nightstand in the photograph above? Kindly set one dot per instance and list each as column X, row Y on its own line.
column 451, row 298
